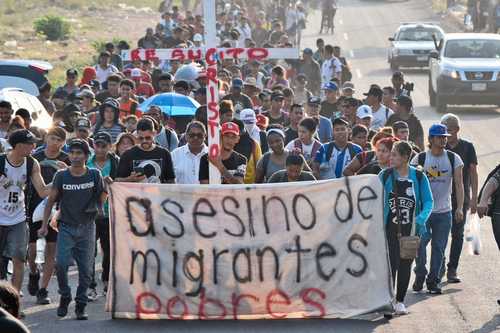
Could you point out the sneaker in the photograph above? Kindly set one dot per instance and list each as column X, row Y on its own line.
column 33, row 283
column 92, row 294
column 418, row 285
column 80, row 312
column 452, row 276
column 62, row 310
column 105, row 288
column 400, row 309
column 42, row 297
column 434, row 289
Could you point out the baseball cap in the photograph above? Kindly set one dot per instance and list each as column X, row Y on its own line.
column 400, row 125
column 21, row 136
column 250, row 81
column 135, row 72
column 83, row 122
column 79, row 144
column 331, row 86
column 314, row 100
column 247, row 116
column 348, row 85
column 103, row 137
column 308, row 51
column 438, row 130
column 71, row 72
column 275, row 95
column 375, row 91
column 111, row 102
column 86, row 93
column 364, row 111
column 197, row 38
column 237, row 83
column 404, row 101
column 230, row 127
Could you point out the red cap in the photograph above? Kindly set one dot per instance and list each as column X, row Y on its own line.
column 230, row 127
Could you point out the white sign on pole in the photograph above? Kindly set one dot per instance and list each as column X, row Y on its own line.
column 248, row 252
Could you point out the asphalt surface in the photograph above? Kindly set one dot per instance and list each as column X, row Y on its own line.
column 362, row 30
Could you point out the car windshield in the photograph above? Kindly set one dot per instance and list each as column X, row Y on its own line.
column 473, row 48
column 418, row 34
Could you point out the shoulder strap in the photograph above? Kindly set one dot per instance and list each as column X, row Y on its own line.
column 2, row 164
column 297, row 144
column 265, row 161
column 168, row 134
column 421, row 158
column 352, row 152
column 386, row 113
column 451, row 157
column 396, row 204
column 29, row 168
column 387, row 173
column 329, row 151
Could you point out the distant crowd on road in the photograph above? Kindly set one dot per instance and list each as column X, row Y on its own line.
column 280, row 121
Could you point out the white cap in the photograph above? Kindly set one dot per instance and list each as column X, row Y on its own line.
column 364, row 111
column 135, row 72
column 248, row 116
column 197, row 38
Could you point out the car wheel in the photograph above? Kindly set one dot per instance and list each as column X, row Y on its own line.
column 441, row 104
column 432, row 94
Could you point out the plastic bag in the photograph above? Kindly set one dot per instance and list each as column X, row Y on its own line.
column 473, row 234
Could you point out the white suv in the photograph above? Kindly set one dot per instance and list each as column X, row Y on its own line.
column 465, row 70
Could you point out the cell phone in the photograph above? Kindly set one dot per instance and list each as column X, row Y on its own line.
column 139, row 170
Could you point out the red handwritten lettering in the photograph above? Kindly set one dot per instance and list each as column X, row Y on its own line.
column 150, row 54
column 194, row 56
column 212, row 74
column 210, row 56
column 272, row 298
column 258, row 53
column 214, row 150
column 213, row 126
column 235, row 300
column 135, row 55
column 305, row 295
column 139, row 309
column 204, row 301
column 235, row 52
column 178, row 54
column 171, row 306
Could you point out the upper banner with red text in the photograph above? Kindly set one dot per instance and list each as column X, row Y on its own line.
column 297, row 250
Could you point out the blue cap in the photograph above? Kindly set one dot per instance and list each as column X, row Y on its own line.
column 438, row 130
column 237, row 83
column 330, row 86
column 308, row 51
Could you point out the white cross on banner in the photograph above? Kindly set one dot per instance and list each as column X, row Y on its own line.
column 210, row 55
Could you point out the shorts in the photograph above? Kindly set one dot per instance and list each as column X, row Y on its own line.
column 16, row 241
column 34, row 227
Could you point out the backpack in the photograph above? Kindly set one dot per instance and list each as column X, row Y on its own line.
column 493, row 198
column 29, row 170
column 451, row 157
column 316, row 145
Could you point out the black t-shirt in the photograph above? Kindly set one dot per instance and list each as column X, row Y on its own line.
column 157, row 164
column 413, row 122
column 467, row 152
column 328, row 109
column 236, row 165
column 48, row 169
column 406, row 202
column 290, row 135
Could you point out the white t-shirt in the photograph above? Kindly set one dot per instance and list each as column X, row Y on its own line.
column 12, row 205
column 103, row 74
column 380, row 117
column 329, row 68
column 306, row 149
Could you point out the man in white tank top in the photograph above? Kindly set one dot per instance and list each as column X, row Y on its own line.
column 13, row 180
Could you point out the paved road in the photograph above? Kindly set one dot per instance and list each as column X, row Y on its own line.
column 362, row 31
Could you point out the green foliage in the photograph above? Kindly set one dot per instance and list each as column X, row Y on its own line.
column 53, row 27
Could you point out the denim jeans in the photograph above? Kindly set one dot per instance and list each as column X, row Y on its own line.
column 75, row 242
column 457, row 241
column 438, row 230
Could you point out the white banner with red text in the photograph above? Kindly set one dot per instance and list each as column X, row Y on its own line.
column 294, row 250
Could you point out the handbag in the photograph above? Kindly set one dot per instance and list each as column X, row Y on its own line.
column 408, row 245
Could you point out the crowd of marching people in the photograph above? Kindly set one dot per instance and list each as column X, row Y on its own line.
column 280, row 121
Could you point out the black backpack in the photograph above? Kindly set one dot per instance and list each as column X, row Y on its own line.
column 489, row 212
column 451, row 157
